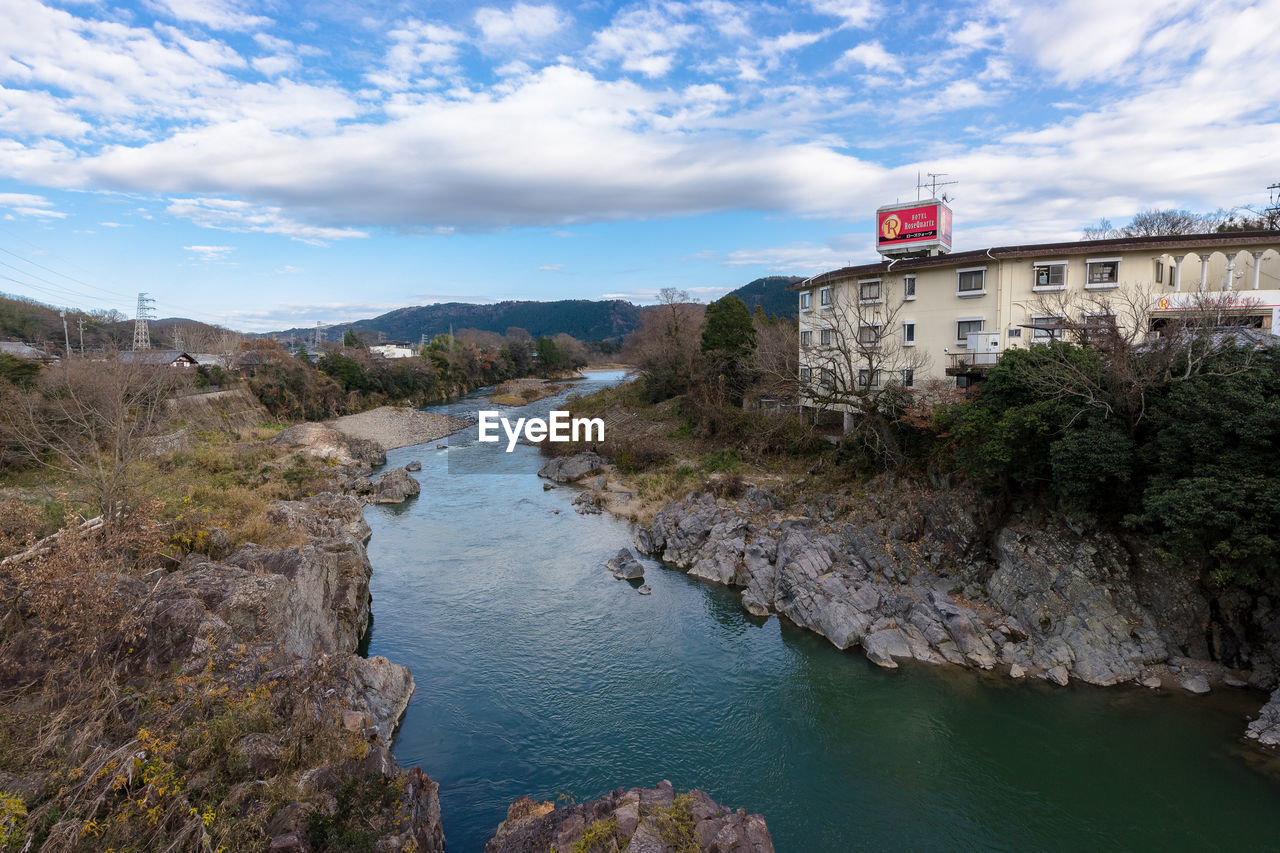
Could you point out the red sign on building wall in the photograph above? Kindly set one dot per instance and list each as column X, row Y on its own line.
column 911, row 227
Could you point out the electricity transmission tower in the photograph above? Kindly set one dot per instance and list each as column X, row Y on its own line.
column 141, row 332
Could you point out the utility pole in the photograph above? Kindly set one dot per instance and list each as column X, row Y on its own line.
column 141, row 332
column 66, row 335
column 80, row 323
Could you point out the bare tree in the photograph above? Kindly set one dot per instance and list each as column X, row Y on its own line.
column 856, row 359
column 668, row 343
column 777, row 355
column 1139, row 350
column 90, row 421
column 1156, row 223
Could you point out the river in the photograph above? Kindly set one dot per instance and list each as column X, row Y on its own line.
column 538, row 673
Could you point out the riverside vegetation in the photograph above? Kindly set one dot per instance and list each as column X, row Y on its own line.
column 181, row 672
column 1102, row 510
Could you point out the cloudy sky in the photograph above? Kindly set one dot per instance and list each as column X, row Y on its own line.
column 271, row 164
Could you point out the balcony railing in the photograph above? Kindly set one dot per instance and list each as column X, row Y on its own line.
column 960, row 363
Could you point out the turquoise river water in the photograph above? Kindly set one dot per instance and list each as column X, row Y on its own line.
column 538, row 673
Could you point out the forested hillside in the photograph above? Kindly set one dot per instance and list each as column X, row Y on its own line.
column 770, row 293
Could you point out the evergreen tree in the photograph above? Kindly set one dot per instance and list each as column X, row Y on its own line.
column 728, row 345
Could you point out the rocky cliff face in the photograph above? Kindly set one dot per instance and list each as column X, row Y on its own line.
column 639, row 820
column 293, row 618
column 937, row 581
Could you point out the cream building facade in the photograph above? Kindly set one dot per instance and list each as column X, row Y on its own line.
column 942, row 320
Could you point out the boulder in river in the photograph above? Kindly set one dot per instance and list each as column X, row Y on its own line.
column 625, row 566
column 395, row 486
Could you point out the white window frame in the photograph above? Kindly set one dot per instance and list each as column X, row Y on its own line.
column 968, row 294
column 869, row 377
column 826, row 378
column 827, row 337
column 908, row 288
column 870, row 300
column 1159, row 264
column 879, row 335
column 1037, row 287
column 806, row 338
column 964, row 341
column 806, row 374
column 1089, row 284
column 806, row 300
column 1043, row 336
column 824, row 298
column 909, row 334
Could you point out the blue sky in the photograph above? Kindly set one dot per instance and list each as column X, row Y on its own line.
column 264, row 165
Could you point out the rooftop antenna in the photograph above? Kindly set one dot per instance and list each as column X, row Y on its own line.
column 141, row 332
column 932, row 185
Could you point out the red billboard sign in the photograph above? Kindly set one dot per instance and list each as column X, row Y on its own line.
column 915, row 226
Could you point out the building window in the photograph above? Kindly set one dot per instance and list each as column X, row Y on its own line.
column 1046, row 328
column 965, row 327
column 824, row 297
column 908, row 378
column 1049, row 275
column 972, row 282
column 805, row 375
column 826, row 379
column 869, row 291
column 908, row 334
column 805, row 296
column 827, row 335
column 1098, row 325
column 1102, row 272
column 909, row 287
column 869, row 336
column 868, row 378
column 1159, row 272
column 806, row 338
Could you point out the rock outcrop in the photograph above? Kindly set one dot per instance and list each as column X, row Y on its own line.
column 394, row 487
column 294, row 618
column 1266, row 728
column 638, row 820
column 625, row 566
column 571, row 469
column 327, row 442
column 941, row 584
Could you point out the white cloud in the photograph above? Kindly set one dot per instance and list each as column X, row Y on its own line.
column 233, row 215
column 650, row 294
column 795, row 258
column 216, row 14
column 28, row 204
column 644, row 40
column 871, row 55
column 552, row 268
column 209, row 254
column 417, row 46
column 854, row 13
column 524, row 25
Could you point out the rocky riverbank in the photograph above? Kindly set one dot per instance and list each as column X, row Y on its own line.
column 638, row 820
column 396, row 426
column 936, row 577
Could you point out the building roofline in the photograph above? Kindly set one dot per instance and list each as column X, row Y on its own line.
column 1239, row 239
